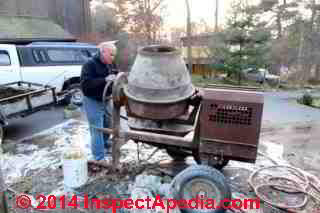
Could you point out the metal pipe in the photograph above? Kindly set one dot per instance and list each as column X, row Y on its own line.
column 105, row 130
column 159, row 138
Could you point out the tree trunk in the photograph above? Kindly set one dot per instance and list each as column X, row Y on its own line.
column 317, row 72
column 300, row 54
column 279, row 25
column 310, row 47
column 189, row 36
column 240, row 70
column 217, row 15
column 148, row 26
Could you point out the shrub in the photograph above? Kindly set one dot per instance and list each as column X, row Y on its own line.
column 314, row 81
column 306, row 99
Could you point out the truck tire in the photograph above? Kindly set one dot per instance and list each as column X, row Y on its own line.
column 200, row 180
column 76, row 96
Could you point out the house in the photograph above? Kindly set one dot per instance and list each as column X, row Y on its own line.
column 23, row 30
column 72, row 15
column 201, row 56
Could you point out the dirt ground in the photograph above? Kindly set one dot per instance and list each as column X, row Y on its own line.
column 33, row 166
column 300, row 142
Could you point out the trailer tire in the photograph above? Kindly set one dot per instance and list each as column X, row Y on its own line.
column 76, row 97
column 200, row 180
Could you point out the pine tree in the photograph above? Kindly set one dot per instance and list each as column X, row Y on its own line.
column 243, row 44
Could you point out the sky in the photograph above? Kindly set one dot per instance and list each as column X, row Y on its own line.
column 200, row 9
column 176, row 15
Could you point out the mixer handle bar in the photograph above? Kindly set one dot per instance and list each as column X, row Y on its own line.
column 107, row 88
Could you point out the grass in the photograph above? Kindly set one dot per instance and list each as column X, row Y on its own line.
column 316, row 103
column 199, row 81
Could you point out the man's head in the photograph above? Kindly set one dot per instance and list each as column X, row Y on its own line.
column 107, row 52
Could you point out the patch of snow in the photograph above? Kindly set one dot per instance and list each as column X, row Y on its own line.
column 274, row 151
column 15, row 166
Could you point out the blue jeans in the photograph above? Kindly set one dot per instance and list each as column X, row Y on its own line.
column 98, row 118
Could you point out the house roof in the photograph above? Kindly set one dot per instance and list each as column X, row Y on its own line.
column 198, row 40
column 18, row 28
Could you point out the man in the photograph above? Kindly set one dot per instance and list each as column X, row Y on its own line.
column 94, row 77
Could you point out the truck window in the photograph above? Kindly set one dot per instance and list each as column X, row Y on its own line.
column 4, row 58
column 36, row 56
column 43, row 56
column 65, row 55
column 39, row 56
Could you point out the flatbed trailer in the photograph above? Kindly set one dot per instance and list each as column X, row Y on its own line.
column 21, row 99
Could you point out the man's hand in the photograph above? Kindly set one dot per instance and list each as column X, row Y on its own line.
column 111, row 77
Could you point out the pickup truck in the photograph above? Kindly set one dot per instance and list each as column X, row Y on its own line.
column 54, row 64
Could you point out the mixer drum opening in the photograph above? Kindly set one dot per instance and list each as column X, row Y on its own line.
column 158, row 49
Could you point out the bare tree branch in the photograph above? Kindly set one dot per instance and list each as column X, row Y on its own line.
column 157, row 4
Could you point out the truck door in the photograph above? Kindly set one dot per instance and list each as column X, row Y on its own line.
column 9, row 64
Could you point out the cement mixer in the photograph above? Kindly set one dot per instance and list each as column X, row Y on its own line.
column 214, row 124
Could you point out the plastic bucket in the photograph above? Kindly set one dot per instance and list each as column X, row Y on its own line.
column 75, row 172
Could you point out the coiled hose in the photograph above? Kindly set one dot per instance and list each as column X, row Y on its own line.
column 307, row 187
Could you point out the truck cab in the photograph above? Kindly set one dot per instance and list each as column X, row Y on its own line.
column 9, row 64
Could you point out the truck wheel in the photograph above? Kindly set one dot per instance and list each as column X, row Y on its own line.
column 76, row 96
column 176, row 153
column 205, row 182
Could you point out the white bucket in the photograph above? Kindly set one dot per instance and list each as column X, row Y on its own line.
column 75, row 171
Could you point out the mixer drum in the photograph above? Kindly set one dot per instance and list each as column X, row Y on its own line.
column 159, row 84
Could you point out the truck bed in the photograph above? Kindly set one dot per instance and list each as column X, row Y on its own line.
column 23, row 98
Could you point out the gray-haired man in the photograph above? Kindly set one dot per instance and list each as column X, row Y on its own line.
column 95, row 74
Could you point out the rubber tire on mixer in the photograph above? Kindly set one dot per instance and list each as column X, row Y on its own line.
column 209, row 177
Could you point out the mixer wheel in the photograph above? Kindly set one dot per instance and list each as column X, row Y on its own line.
column 204, row 182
